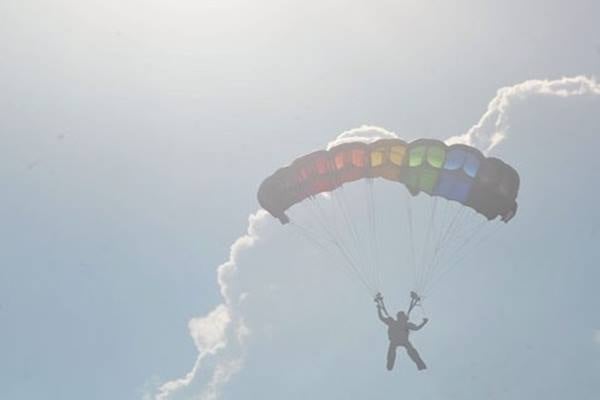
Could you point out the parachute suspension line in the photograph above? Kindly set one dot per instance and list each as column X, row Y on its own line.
column 317, row 215
column 446, row 224
column 310, row 236
column 355, row 232
column 439, row 223
column 443, row 239
column 375, row 235
column 342, row 231
column 344, row 249
column 468, row 237
column 368, row 243
column 337, row 224
column 348, row 267
column 344, row 227
column 346, row 255
column 356, row 237
column 455, row 235
column 372, row 291
column 430, row 225
column 409, row 214
column 442, row 225
column 320, row 227
column 462, row 244
column 422, row 307
column 448, row 236
column 450, row 219
column 333, row 232
column 464, row 231
column 436, row 235
column 344, row 236
column 373, row 241
column 482, row 239
column 319, row 233
column 337, row 241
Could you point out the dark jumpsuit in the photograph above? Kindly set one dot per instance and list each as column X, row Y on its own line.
column 398, row 334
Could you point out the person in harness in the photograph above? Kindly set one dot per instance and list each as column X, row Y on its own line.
column 399, row 329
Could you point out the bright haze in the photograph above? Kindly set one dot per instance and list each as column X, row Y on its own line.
column 136, row 263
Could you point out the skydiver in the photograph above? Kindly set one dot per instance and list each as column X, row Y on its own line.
column 398, row 331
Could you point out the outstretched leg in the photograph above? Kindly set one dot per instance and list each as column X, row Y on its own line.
column 414, row 355
column 391, row 357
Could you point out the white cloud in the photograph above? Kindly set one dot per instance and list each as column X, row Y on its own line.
column 209, row 332
column 493, row 125
column 258, row 298
column 364, row 133
column 221, row 375
column 220, row 327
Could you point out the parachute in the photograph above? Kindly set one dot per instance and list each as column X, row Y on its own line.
column 470, row 185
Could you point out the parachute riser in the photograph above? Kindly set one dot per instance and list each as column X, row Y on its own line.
column 379, row 301
column 415, row 300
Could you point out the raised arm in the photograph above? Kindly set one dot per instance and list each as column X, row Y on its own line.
column 381, row 311
column 380, row 314
column 414, row 327
column 413, row 303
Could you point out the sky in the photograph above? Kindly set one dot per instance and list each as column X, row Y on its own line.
column 136, row 263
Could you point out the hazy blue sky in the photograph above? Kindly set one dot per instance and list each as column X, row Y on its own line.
column 134, row 135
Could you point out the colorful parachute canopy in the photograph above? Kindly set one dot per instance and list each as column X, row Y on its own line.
column 458, row 172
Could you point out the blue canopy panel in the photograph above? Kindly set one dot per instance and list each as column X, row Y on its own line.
column 456, row 178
